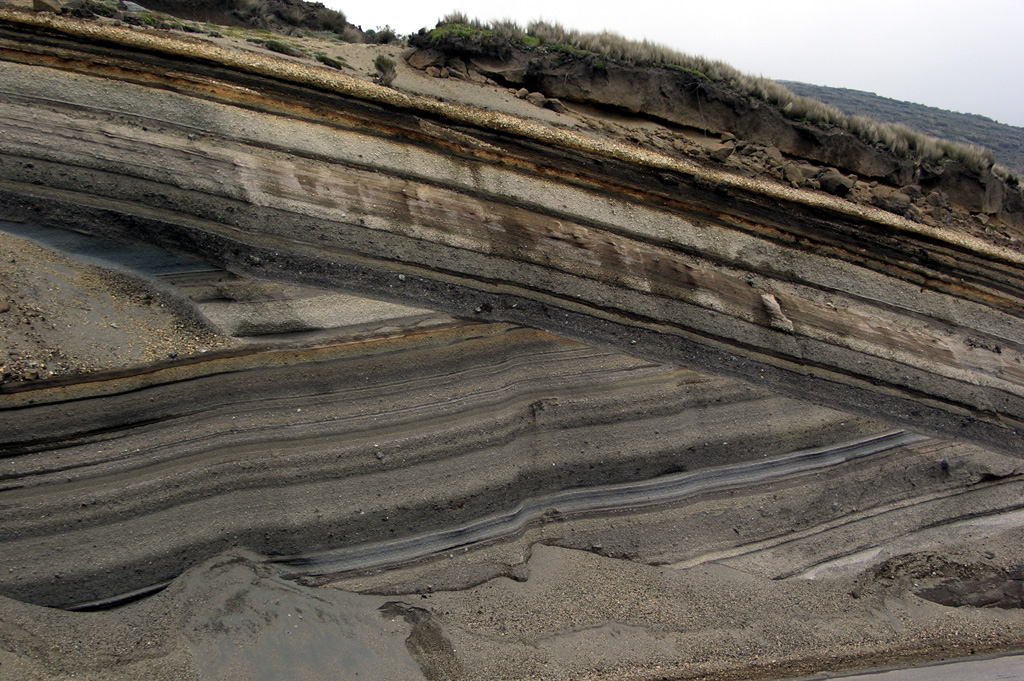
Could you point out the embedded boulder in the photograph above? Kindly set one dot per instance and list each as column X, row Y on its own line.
column 892, row 201
column 835, row 182
column 423, row 59
column 536, row 98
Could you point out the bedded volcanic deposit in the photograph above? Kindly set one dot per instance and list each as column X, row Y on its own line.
column 480, row 388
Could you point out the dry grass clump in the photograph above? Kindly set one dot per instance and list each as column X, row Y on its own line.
column 385, row 70
column 460, row 18
column 899, row 139
column 1006, row 175
column 614, row 47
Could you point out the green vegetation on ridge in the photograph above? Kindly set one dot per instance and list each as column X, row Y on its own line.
column 501, row 36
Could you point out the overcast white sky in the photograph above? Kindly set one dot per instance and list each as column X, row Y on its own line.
column 962, row 55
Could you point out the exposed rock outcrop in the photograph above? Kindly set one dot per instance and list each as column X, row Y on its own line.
column 34, row 5
column 278, row 15
column 688, row 98
column 696, row 429
column 677, row 277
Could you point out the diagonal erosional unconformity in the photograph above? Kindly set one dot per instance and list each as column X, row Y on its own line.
column 295, row 175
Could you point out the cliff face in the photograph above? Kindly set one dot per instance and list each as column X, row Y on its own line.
column 281, row 16
column 658, row 361
column 818, row 297
column 688, row 98
column 691, row 100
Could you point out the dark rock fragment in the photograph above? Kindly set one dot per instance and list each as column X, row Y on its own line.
column 555, row 105
column 722, row 153
column 536, row 98
column 835, row 182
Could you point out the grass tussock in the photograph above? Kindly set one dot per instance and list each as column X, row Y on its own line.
column 1006, row 175
column 283, row 48
column 386, row 71
column 612, row 47
column 332, row 62
column 381, row 36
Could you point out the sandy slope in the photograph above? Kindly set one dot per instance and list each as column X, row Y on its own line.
column 63, row 317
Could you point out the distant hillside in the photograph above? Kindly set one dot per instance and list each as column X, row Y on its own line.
column 277, row 15
column 1006, row 141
